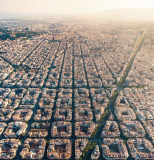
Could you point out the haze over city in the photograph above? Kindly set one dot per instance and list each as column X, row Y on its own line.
column 77, row 79
column 30, row 8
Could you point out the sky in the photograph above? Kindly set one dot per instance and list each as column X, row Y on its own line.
column 61, row 7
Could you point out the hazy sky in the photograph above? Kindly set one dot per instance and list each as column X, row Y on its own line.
column 70, row 6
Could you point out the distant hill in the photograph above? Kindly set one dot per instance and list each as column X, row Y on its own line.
column 128, row 14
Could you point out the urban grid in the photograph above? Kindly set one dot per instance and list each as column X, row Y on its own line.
column 77, row 90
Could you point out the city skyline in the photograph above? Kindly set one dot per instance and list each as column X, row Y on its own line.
column 77, row 79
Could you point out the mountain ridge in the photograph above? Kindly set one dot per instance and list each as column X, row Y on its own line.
column 127, row 14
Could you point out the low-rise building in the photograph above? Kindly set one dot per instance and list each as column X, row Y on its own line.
column 114, row 149
column 59, row 149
